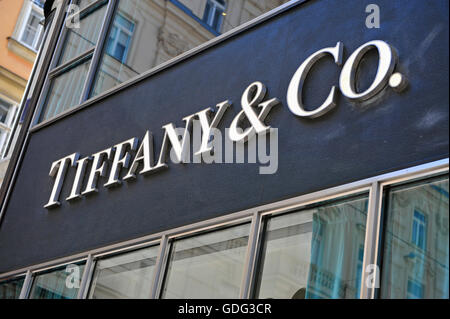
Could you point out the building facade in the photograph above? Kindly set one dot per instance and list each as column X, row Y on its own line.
column 21, row 35
column 232, row 149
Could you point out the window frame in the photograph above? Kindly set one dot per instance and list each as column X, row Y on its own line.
column 109, row 254
column 414, row 180
column 420, row 224
column 33, row 274
column 92, row 54
column 216, row 6
column 29, row 7
column 373, row 185
column 14, row 278
column 86, row 100
column 360, row 193
column 194, row 233
column 115, row 41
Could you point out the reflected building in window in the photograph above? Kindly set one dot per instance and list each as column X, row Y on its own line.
column 146, row 33
column 416, row 263
column 313, row 253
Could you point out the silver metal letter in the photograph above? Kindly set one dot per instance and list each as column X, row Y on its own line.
column 294, row 93
column 179, row 147
column 77, row 183
column 97, row 170
column 144, row 154
column 121, row 159
column 203, row 116
column 386, row 65
column 59, row 168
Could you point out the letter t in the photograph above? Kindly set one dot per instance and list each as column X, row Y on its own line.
column 59, row 168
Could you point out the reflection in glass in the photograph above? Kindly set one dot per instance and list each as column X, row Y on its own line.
column 416, row 256
column 314, row 253
column 65, row 91
column 61, row 283
column 10, row 289
column 126, row 276
column 79, row 40
column 146, row 33
column 85, row 3
column 208, row 265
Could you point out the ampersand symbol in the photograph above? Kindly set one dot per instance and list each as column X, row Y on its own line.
column 252, row 97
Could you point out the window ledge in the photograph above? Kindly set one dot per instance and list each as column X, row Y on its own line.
column 21, row 49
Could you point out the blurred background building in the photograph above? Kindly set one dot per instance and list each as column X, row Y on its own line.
column 20, row 37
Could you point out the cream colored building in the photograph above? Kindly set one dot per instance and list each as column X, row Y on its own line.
column 154, row 31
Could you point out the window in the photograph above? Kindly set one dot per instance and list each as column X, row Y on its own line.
column 10, row 289
column 60, row 283
column 214, row 12
column 66, row 81
column 419, row 230
column 32, row 31
column 415, row 290
column 416, row 256
column 8, row 114
column 125, row 276
column 142, row 34
column 120, row 38
column 146, row 33
column 209, row 265
column 313, row 253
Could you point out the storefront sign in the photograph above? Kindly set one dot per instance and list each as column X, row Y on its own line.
column 252, row 99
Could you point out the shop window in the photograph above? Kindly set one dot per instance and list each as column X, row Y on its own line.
column 125, row 276
column 416, row 256
column 10, row 289
column 314, row 252
column 67, row 80
column 209, row 265
column 60, row 283
column 120, row 38
column 214, row 12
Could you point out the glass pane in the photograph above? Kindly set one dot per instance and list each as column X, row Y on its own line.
column 314, row 253
column 84, row 3
column 65, row 91
column 127, row 276
column 80, row 40
column 415, row 258
column 11, row 289
column 31, row 29
column 162, row 30
column 4, row 111
column 208, row 265
column 61, row 283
